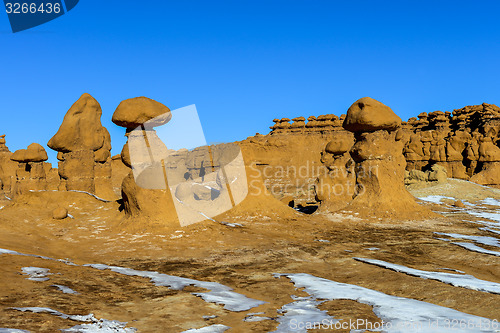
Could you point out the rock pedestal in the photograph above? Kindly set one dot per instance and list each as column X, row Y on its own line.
column 145, row 189
column 30, row 174
column 379, row 160
column 83, row 147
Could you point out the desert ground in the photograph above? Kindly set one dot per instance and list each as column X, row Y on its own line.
column 246, row 258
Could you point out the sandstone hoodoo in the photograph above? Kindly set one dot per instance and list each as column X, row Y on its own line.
column 379, row 161
column 30, row 174
column 7, row 169
column 145, row 154
column 83, row 147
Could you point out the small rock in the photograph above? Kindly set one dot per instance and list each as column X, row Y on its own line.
column 60, row 213
column 459, row 204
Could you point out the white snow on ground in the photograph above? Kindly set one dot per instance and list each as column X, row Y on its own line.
column 491, row 202
column 5, row 251
column 398, row 313
column 486, row 215
column 36, row 273
column 485, row 240
column 219, row 294
column 495, row 231
column 457, row 280
column 102, row 326
column 475, row 248
column 12, row 330
column 435, row 198
column 64, row 289
column 218, row 328
column 96, row 326
column 304, row 311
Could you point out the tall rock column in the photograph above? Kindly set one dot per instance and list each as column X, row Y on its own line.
column 83, row 147
column 380, row 164
column 145, row 189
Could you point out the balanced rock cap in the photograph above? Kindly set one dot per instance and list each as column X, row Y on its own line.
column 134, row 112
column 34, row 153
column 369, row 115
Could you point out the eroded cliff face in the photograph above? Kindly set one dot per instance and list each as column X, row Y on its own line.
column 294, row 160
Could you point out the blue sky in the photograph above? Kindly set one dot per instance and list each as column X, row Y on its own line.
column 243, row 63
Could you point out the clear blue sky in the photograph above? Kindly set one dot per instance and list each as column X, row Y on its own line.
column 243, row 63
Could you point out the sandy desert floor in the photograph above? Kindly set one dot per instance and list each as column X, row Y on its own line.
column 156, row 279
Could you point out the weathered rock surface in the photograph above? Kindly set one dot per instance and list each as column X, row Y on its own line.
column 83, row 147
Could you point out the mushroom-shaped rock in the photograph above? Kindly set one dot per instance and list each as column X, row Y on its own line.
column 34, row 153
column 369, row 115
column 134, row 112
column 81, row 128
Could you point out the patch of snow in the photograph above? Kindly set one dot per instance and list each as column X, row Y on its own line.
column 96, row 326
column 372, row 248
column 64, row 289
column 303, row 310
column 490, row 202
column 209, row 317
column 217, row 328
column 435, row 198
column 12, row 330
column 219, row 294
column 486, row 215
column 36, row 273
column 475, row 248
column 91, row 194
column 102, row 326
column 322, row 240
column 457, row 280
column 396, row 312
column 485, row 240
column 495, row 231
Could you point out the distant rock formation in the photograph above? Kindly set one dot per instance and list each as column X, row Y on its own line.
column 465, row 142
column 30, row 174
column 7, row 170
column 83, row 147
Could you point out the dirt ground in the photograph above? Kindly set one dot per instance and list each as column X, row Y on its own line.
column 243, row 258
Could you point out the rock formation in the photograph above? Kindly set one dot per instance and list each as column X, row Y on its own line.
column 7, row 169
column 83, row 147
column 379, row 161
column 335, row 188
column 453, row 140
column 30, row 174
column 150, row 195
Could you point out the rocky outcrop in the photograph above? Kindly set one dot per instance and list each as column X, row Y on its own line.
column 30, row 174
column 7, row 170
column 379, row 161
column 453, row 140
column 83, row 147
